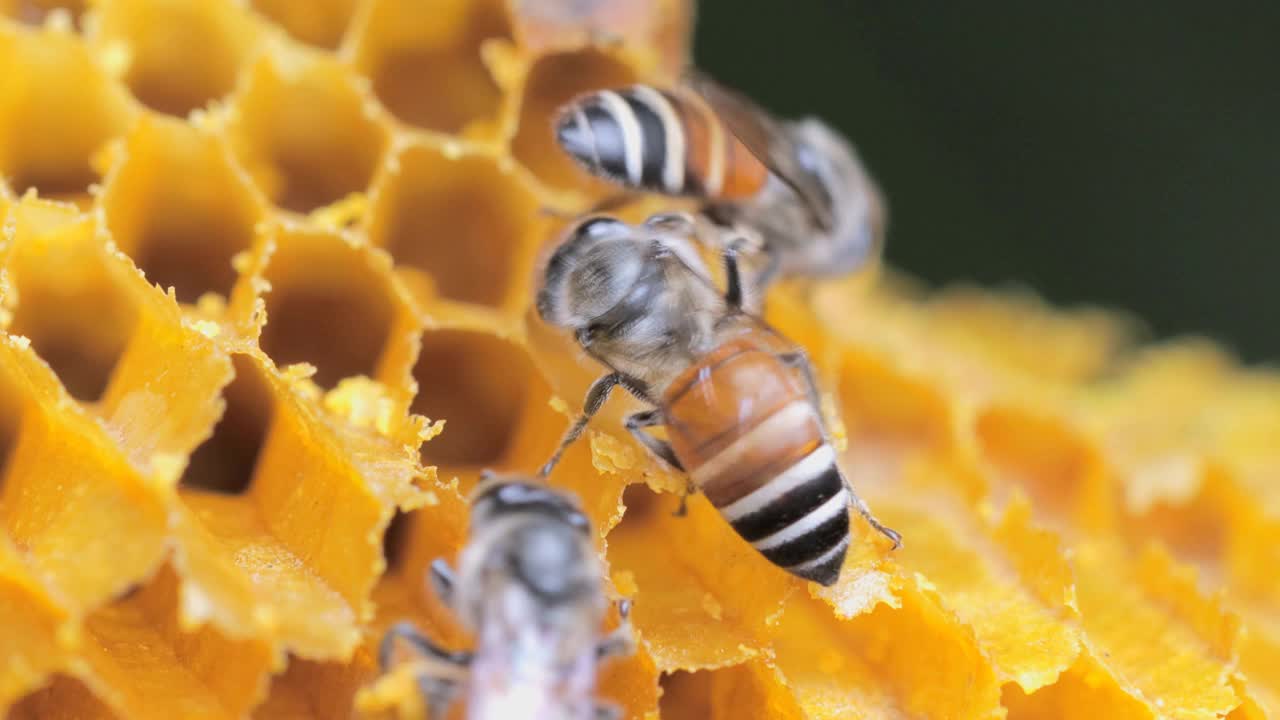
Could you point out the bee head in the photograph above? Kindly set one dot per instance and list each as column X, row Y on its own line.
column 595, row 271
column 547, row 550
column 495, row 498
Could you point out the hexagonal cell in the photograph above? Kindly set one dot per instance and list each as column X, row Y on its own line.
column 305, row 135
column 552, row 81
column 316, row 22
column 72, row 306
column 146, row 664
column 330, row 305
column 424, row 59
column 36, row 12
column 463, row 221
column 179, row 208
column 180, row 54
column 321, row 690
column 490, row 396
column 225, row 463
column 55, row 113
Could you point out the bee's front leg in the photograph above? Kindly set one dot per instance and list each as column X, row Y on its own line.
column 622, row 640
column 605, row 711
column 442, row 581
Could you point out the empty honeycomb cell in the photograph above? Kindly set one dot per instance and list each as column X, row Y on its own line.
column 1061, row 470
column 424, row 59
column 66, row 266
column 68, row 486
column 1029, row 640
column 177, row 205
column 305, row 133
column 428, row 534
column 54, row 113
column 552, row 81
column 468, row 222
column 1077, row 695
column 704, row 621
column 914, row 661
column 179, row 55
column 330, row 305
column 144, row 664
column 225, row 462
column 318, row 22
column 323, row 691
column 490, row 396
column 883, row 404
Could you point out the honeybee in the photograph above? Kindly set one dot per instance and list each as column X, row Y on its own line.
column 529, row 587
column 799, row 185
column 739, row 402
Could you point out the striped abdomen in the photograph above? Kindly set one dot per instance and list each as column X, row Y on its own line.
column 742, row 425
column 648, row 139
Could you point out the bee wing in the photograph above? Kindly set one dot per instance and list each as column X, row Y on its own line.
column 765, row 137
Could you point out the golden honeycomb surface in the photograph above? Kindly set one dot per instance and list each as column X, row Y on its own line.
column 265, row 281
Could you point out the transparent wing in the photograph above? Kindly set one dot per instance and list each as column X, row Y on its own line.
column 766, row 138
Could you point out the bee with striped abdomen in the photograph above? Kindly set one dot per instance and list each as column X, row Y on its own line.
column 739, row 403
column 529, row 587
column 799, row 185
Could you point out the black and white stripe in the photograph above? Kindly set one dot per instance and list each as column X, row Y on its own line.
column 665, row 142
column 631, row 136
column 799, row 520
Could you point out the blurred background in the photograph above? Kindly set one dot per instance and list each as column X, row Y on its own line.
column 1110, row 154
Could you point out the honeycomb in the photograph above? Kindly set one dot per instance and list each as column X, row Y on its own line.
column 265, row 281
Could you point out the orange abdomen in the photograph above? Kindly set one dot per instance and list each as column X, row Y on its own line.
column 717, row 164
column 739, row 418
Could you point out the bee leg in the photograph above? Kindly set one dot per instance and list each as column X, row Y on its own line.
column 865, row 512
column 605, row 711
column 621, row 641
column 800, row 359
column 661, row 448
column 438, row 694
column 689, row 490
column 405, row 631
column 596, row 396
column 733, row 277
column 442, row 581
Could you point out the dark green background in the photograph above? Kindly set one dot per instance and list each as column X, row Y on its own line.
column 1125, row 156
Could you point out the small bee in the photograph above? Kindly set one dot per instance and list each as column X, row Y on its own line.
column 799, row 185
column 529, row 587
column 739, row 403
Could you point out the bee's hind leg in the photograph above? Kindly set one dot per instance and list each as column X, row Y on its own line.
column 660, row 448
column 636, row 424
column 438, row 690
column 799, row 359
column 423, row 645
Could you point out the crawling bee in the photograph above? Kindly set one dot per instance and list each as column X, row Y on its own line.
column 739, row 403
column 529, row 587
column 798, row 185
